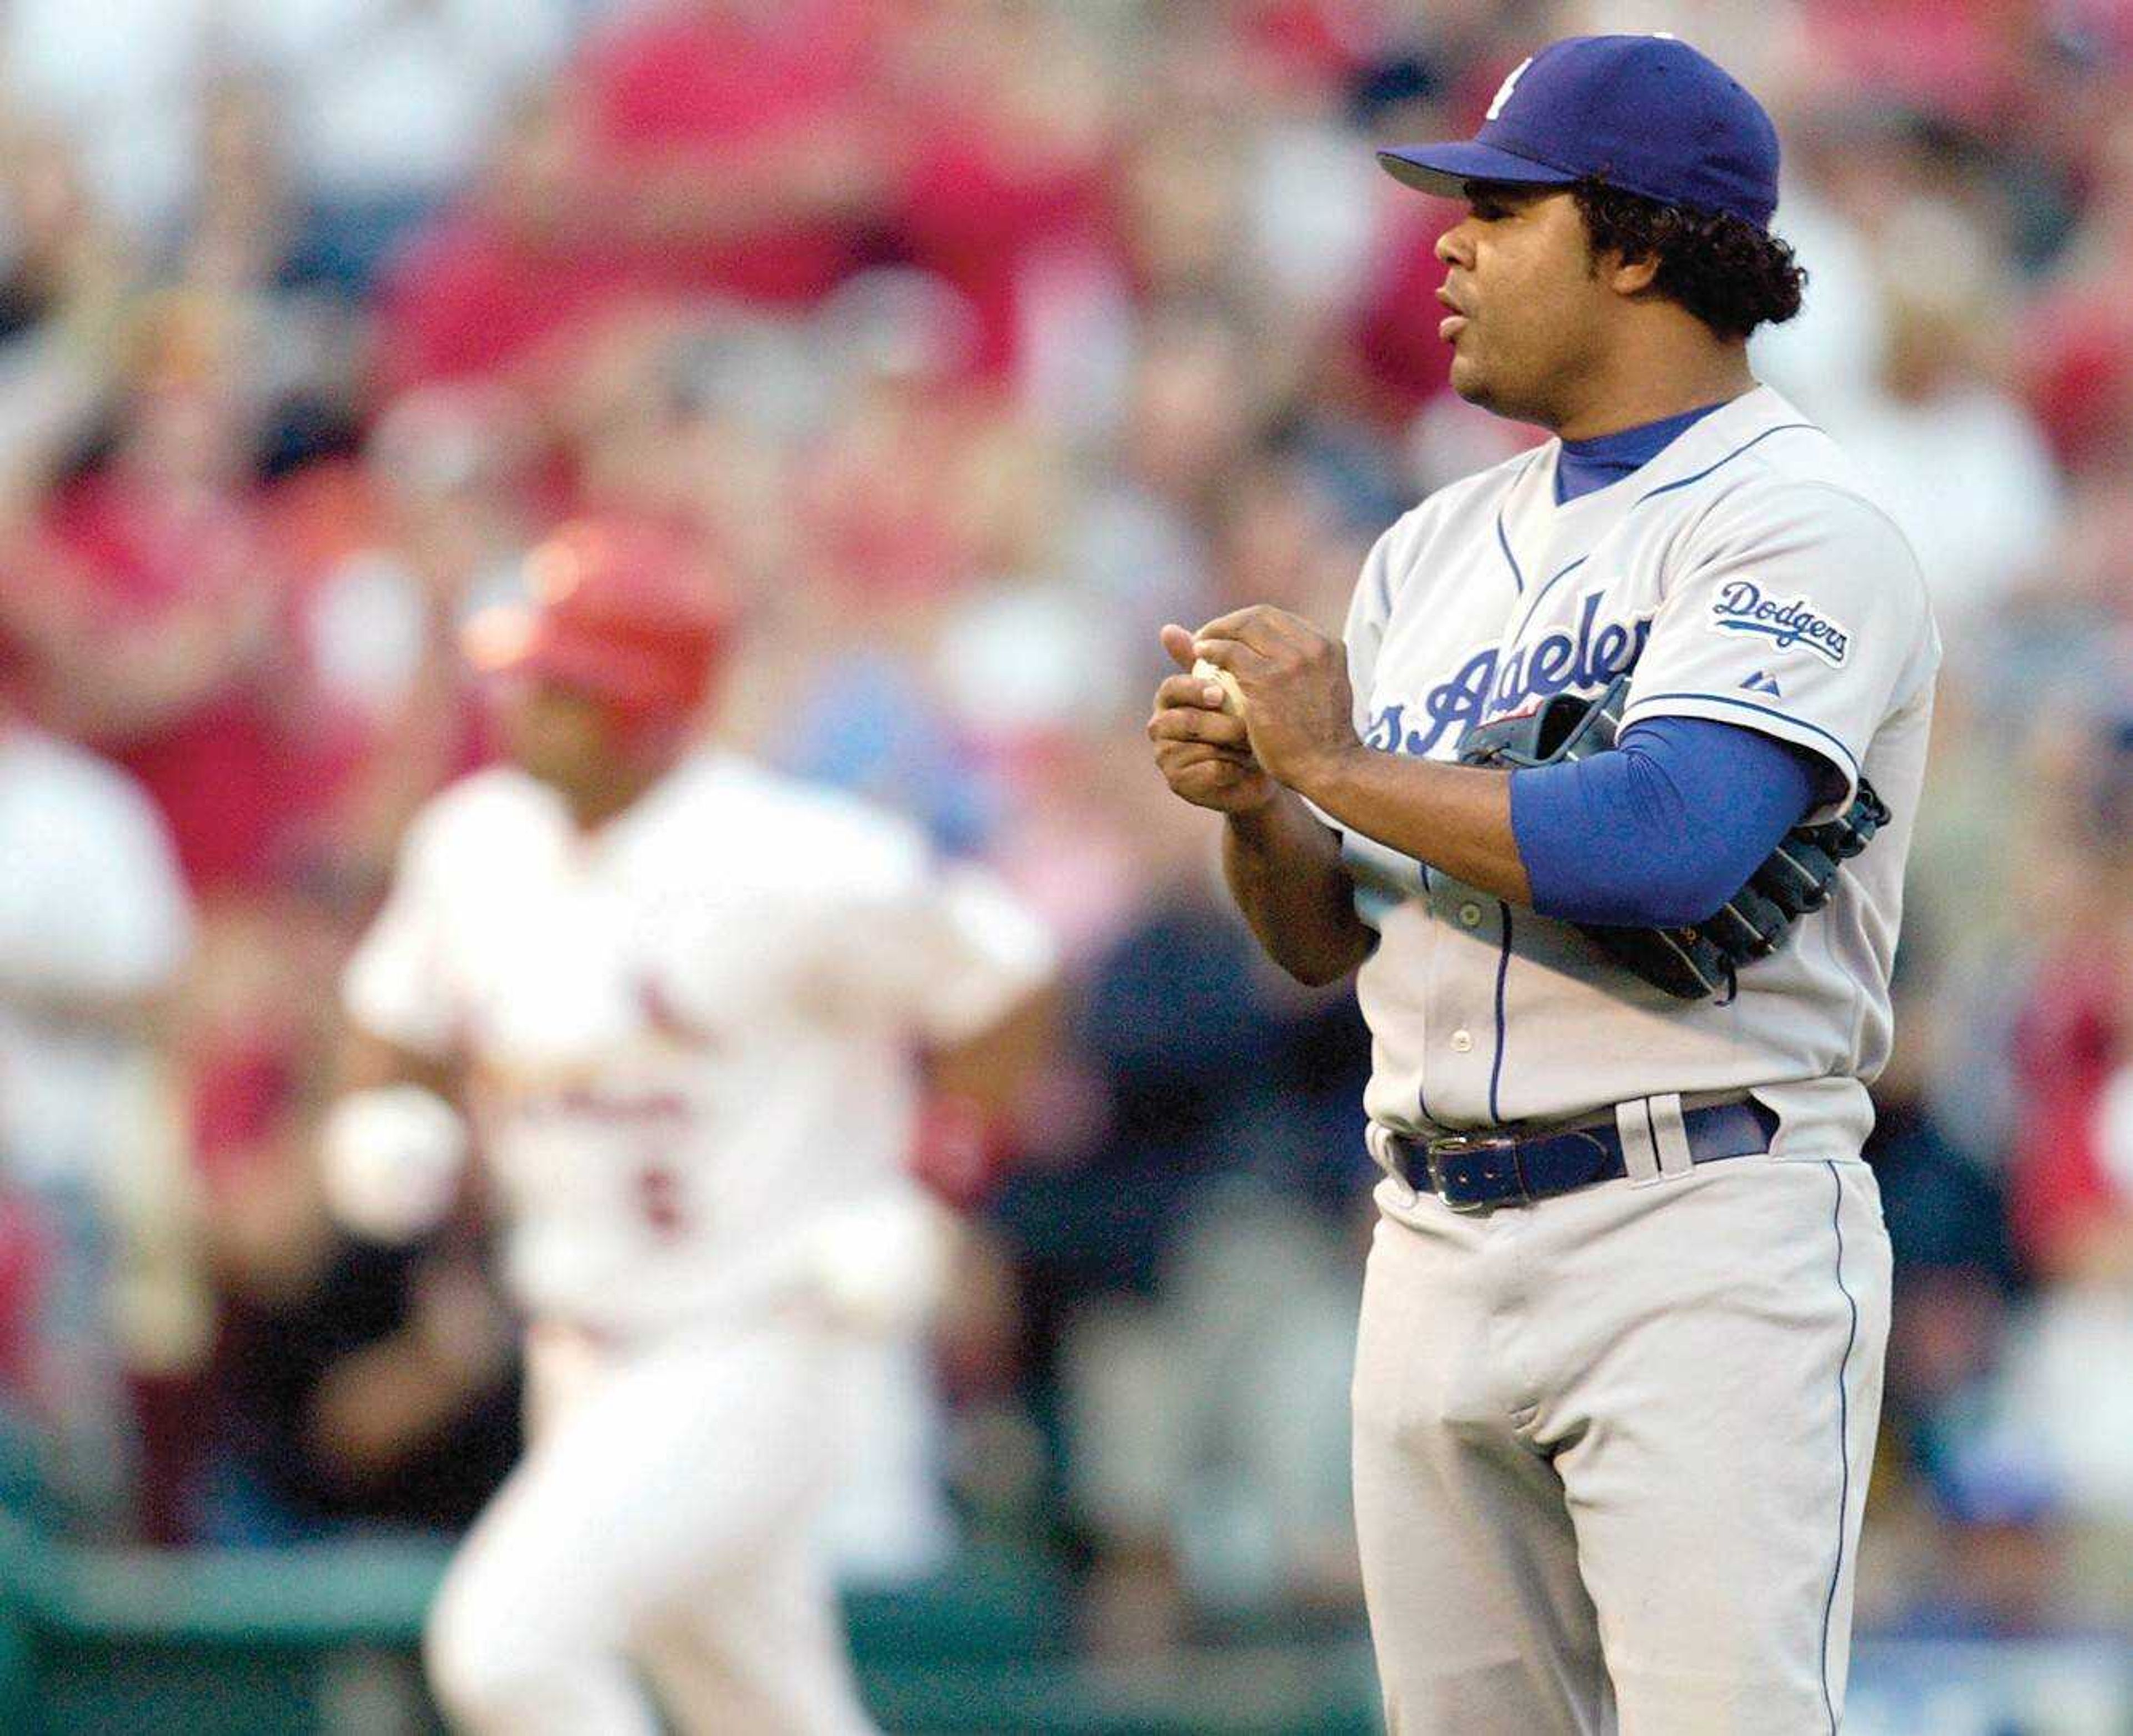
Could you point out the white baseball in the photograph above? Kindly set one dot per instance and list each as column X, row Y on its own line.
column 1234, row 701
column 391, row 1158
column 881, row 1265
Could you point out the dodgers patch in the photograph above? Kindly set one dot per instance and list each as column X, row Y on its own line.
column 1741, row 607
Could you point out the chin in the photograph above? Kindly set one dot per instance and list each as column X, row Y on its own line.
column 1493, row 393
column 1471, row 382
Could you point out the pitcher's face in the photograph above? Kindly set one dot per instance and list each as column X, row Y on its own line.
column 1526, row 311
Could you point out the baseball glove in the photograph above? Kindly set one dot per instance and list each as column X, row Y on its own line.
column 1696, row 963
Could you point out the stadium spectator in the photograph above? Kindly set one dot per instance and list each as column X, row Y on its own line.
column 95, row 927
column 385, row 109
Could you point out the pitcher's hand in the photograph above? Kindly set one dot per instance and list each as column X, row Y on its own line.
column 1204, row 752
column 1299, row 709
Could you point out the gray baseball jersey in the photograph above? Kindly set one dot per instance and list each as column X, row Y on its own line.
column 1741, row 575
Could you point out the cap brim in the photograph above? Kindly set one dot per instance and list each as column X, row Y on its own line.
column 1445, row 169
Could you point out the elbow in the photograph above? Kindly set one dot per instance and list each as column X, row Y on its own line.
column 1660, row 894
column 1323, row 967
column 1684, row 898
column 353, row 1446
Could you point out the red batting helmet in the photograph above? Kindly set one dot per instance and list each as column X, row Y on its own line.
column 624, row 611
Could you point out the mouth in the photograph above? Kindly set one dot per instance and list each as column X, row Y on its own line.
column 1456, row 322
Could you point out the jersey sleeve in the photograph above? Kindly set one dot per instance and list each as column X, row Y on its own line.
column 1663, row 832
column 397, row 985
column 943, row 950
column 1368, row 610
column 1800, row 613
column 987, row 951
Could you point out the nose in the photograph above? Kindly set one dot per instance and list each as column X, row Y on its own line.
column 1456, row 245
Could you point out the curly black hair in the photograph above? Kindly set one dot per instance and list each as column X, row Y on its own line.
column 1730, row 274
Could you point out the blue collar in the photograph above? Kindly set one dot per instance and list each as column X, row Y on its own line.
column 1584, row 465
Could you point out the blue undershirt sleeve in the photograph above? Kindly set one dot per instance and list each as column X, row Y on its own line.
column 1662, row 832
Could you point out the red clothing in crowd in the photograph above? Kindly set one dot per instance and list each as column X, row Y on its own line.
column 709, row 86
column 2079, row 371
column 1962, row 58
column 1403, row 362
column 220, row 768
column 982, row 209
column 2069, row 1042
column 678, row 86
column 467, row 299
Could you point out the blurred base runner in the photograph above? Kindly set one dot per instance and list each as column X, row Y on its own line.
column 665, row 1516
column 678, row 1004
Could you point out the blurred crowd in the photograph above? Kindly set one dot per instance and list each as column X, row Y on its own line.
column 975, row 339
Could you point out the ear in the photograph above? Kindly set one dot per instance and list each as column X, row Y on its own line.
column 1629, row 277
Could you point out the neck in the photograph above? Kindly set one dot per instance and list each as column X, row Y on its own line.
column 594, row 806
column 1639, row 386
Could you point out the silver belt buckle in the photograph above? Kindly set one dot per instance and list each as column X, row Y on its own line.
column 1457, row 1144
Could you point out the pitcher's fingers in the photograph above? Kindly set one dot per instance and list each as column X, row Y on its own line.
column 1193, row 724
column 1189, row 690
column 1259, row 625
column 1174, row 757
column 1242, row 660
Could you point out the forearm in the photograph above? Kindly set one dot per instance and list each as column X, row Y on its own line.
column 1285, row 870
column 989, row 1072
column 1663, row 832
column 367, row 1060
column 1457, row 818
column 380, row 1405
column 142, row 1015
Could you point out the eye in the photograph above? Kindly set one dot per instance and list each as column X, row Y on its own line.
column 1488, row 210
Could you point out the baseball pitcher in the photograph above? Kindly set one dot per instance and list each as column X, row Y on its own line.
column 674, row 1001
column 1606, row 798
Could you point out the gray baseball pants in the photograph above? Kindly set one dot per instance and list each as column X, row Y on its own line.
column 1611, row 1452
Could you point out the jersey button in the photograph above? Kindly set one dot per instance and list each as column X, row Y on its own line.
column 1462, row 1040
column 1470, row 916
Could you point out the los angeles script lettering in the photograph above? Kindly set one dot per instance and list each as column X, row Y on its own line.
column 1487, row 685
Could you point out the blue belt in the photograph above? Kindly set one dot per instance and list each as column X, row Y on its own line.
column 1476, row 1172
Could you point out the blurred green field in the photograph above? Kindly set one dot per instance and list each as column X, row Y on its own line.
column 291, row 1642
column 322, row 1641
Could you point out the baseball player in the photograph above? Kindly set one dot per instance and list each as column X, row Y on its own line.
column 679, row 998
column 1626, row 970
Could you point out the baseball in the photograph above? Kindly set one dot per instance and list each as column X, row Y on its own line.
column 391, row 1158
column 1234, row 703
column 882, row 1265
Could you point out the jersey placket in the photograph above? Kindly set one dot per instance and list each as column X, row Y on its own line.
column 1468, row 1023
column 1462, row 1025
column 1467, row 1026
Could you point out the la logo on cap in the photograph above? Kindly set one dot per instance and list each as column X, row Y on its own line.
column 1511, row 81
column 1504, row 90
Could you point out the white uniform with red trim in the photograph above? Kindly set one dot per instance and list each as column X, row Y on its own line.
column 1656, row 1394
column 691, row 1036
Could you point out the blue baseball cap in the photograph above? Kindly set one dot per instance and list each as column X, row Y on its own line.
column 1647, row 114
